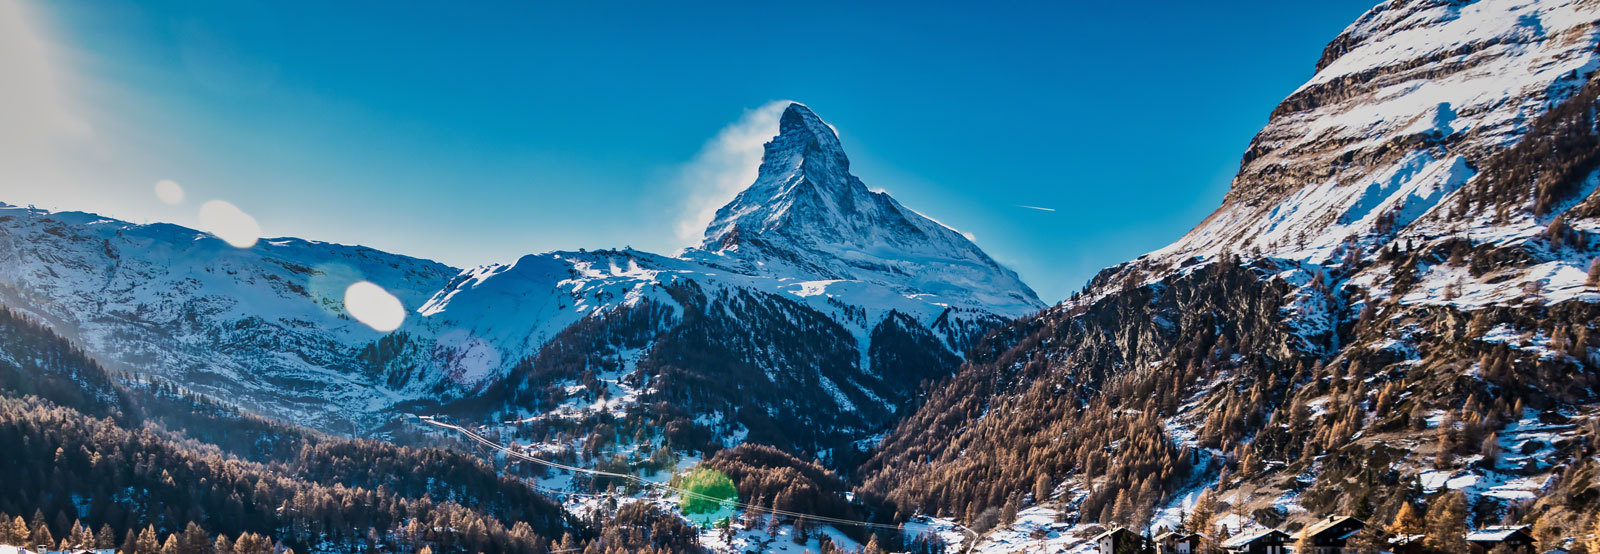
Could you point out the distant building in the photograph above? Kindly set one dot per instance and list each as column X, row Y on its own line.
column 1122, row 541
column 1517, row 537
column 1270, row 541
column 1330, row 535
column 1173, row 542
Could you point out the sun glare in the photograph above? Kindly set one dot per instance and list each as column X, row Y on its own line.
column 375, row 307
column 229, row 223
column 169, row 192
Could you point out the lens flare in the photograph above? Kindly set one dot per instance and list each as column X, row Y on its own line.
column 229, row 223
column 169, row 192
column 375, row 307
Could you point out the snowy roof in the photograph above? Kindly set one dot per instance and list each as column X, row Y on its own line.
column 1329, row 523
column 1178, row 537
column 1243, row 540
column 1496, row 534
column 1113, row 532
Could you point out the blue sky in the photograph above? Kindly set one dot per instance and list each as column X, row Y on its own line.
column 474, row 132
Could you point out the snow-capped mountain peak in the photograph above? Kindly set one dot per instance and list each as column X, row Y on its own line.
column 804, row 175
column 806, row 255
column 803, row 137
column 807, row 216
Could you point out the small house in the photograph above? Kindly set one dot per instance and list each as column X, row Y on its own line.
column 1516, row 537
column 1329, row 535
column 1173, row 542
column 1122, row 541
column 1270, row 541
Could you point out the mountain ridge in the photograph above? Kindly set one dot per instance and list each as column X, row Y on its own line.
column 1393, row 308
column 266, row 325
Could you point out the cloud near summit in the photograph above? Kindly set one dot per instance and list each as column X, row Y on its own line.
column 725, row 165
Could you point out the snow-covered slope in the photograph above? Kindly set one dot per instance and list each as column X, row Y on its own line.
column 1405, row 105
column 807, row 243
column 1409, row 251
column 806, row 229
column 264, row 326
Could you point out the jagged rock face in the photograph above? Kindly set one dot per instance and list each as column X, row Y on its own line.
column 806, row 215
column 1405, row 105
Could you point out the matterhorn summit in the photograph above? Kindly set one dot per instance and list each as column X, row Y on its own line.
column 806, row 216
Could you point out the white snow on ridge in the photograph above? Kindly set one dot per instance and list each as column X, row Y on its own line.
column 807, row 217
column 165, row 299
column 266, row 324
column 1512, row 60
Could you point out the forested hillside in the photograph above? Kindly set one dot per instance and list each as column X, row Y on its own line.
column 1431, row 373
column 91, row 453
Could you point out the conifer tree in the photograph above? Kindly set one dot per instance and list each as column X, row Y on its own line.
column 1491, row 450
column 147, row 542
column 194, row 540
column 171, row 545
column 872, row 546
column 15, row 532
column 1407, row 521
column 1447, row 523
column 41, row 535
column 80, row 536
column 105, row 538
column 1591, row 541
column 130, row 543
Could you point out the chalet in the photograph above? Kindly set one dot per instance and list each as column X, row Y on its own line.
column 1270, row 541
column 1329, row 535
column 1122, row 541
column 1173, row 542
column 1517, row 538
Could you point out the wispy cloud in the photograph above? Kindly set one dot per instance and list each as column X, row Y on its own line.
column 37, row 116
column 724, row 167
column 1036, row 208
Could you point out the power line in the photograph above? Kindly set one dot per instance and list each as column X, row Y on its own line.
column 480, row 439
